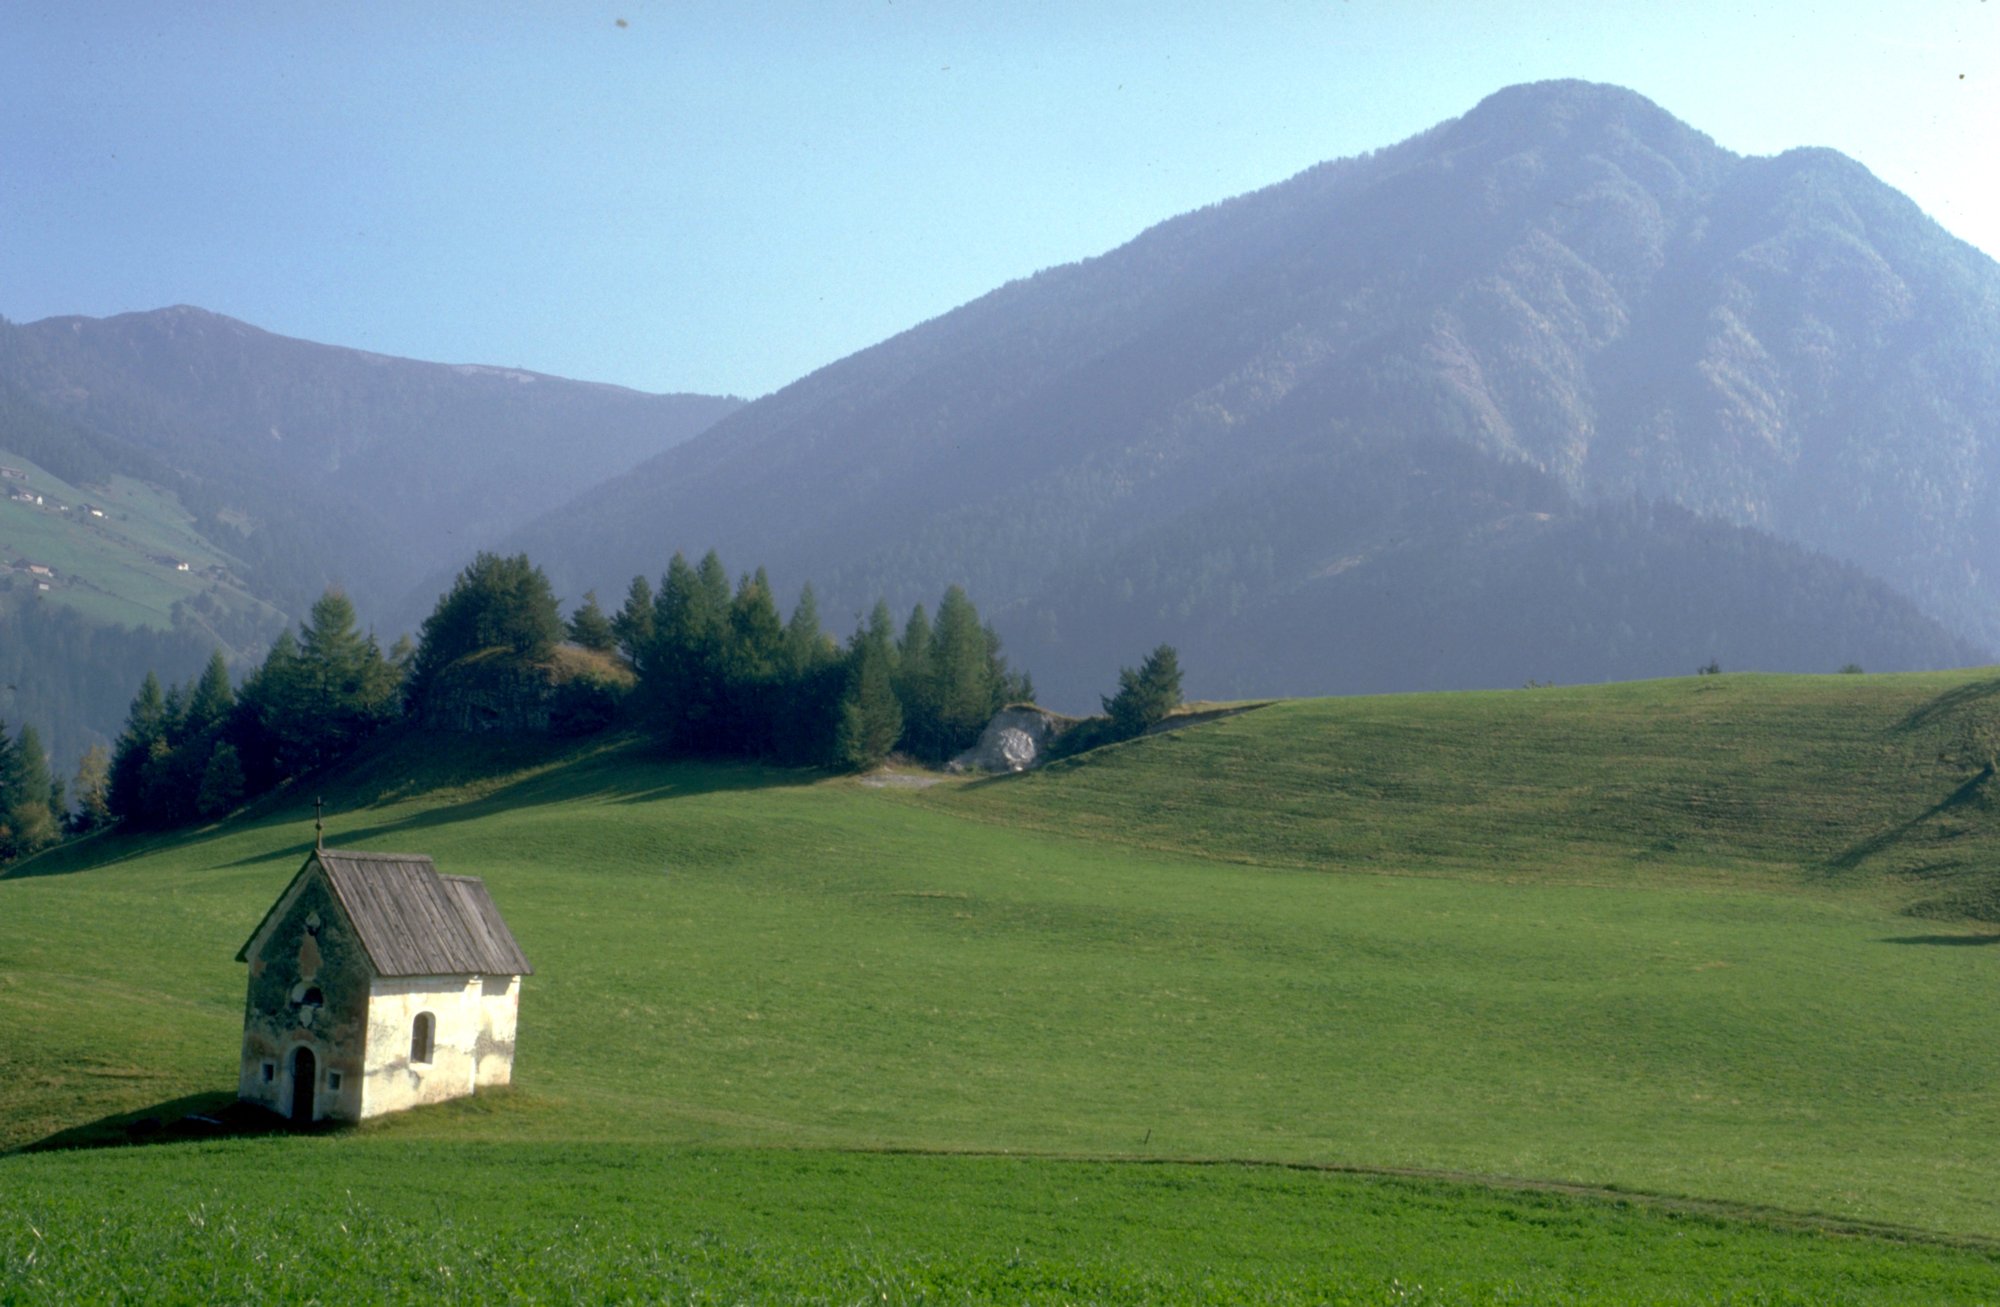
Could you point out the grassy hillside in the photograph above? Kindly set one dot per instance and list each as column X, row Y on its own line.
column 1872, row 789
column 1158, row 951
column 120, row 567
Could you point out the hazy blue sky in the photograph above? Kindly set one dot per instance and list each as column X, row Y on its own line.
column 722, row 197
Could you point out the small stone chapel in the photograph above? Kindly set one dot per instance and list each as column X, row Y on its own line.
column 377, row 984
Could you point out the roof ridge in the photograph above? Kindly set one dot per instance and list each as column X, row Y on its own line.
column 366, row 853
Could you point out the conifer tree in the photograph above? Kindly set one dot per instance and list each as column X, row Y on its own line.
column 174, row 712
column 968, row 687
column 813, row 676
column 871, row 720
column 589, row 627
column 145, row 726
column 314, row 698
column 92, row 788
column 882, row 625
column 633, row 625
column 495, row 602
column 221, row 782
column 805, row 645
column 756, row 632
column 713, row 578
column 212, row 699
column 753, row 645
column 349, row 689
column 1145, row 694
column 27, row 823
column 915, row 675
column 681, row 672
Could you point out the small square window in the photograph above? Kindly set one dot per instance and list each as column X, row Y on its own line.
column 270, row 1072
column 333, row 1080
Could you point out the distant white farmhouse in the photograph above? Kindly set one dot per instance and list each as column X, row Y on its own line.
column 377, row 984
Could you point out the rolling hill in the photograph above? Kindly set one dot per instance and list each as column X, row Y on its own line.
column 1558, row 390
column 1635, row 991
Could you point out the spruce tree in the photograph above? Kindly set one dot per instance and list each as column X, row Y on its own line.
column 221, row 782
column 969, row 690
column 589, row 627
column 27, row 823
column 680, row 673
column 1145, row 694
column 634, row 624
column 314, row 698
column 495, row 602
column 747, row 725
column 145, row 726
column 813, row 679
column 210, row 702
column 347, row 687
column 174, row 712
column 756, row 632
column 805, row 646
column 713, row 580
column 871, row 720
column 914, row 675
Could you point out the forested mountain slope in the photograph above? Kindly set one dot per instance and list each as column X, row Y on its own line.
column 321, row 464
column 236, row 474
column 1329, row 432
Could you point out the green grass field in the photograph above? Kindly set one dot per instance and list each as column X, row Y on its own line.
column 109, row 568
column 1651, row 944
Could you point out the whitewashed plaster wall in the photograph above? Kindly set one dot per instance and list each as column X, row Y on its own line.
column 472, row 1039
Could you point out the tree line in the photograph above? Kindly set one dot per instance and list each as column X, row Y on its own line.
column 722, row 674
column 716, row 672
column 709, row 667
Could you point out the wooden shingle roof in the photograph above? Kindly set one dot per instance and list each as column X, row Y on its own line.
column 414, row 922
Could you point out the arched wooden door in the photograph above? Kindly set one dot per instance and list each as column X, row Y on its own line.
column 305, row 1078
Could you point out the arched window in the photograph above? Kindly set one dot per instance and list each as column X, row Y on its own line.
column 422, row 1033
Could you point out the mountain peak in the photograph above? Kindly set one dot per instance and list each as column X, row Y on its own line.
column 1396, row 387
column 1568, row 108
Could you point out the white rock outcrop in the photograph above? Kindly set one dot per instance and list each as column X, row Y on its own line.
column 1016, row 739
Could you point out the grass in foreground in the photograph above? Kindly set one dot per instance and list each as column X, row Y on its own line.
column 732, row 957
column 365, row 1220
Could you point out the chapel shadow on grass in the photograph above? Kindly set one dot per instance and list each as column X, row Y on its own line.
column 219, row 1114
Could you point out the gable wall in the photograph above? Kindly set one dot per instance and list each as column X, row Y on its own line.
column 275, row 1023
column 473, row 1042
column 493, row 1044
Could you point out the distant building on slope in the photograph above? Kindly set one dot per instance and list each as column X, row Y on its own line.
column 377, row 984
